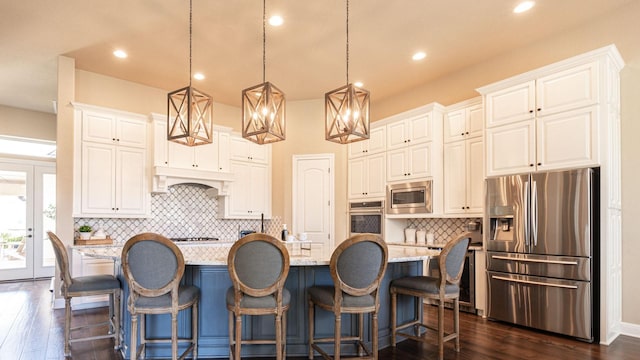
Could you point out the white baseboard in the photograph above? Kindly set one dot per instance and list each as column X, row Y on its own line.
column 630, row 329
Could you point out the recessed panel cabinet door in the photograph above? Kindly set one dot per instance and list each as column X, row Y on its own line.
column 376, row 179
column 455, row 176
column 357, row 174
column 511, row 105
column 130, row 175
column 98, row 178
column 397, row 164
column 568, row 139
column 419, row 160
column 511, row 149
column 475, row 175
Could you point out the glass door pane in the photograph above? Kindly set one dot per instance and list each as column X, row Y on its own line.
column 45, row 216
column 15, row 223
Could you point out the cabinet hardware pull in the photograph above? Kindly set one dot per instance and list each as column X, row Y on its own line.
column 557, row 262
column 530, row 111
column 535, row 282
column 539, row 109
column 530, row 164
column 539, row 164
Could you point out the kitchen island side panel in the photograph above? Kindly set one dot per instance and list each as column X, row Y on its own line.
column 213, row 331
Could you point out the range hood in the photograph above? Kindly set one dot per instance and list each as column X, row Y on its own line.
column 164, row 176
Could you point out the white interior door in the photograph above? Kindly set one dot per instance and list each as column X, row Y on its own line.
column 27, row 208
column 313, row 203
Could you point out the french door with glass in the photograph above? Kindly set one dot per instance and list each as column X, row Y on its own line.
column 27, row 212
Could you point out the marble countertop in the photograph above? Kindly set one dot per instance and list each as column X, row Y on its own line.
column 215, row 253
column 473, row 247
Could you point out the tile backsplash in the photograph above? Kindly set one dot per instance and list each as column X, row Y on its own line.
column 443, row 229
column 184, row 211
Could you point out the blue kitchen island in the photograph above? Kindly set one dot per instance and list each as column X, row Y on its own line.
column 207, row 269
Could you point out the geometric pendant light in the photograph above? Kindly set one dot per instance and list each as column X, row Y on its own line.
column 263, row 105
column 347, row 109
column 189, row 120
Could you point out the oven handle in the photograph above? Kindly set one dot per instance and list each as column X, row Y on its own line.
column 366, row 212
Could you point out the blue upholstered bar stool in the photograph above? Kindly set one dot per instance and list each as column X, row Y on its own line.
column 444, row 288
column 86, row 286
column 258, row 266
column 357, row 266
column 153, row 267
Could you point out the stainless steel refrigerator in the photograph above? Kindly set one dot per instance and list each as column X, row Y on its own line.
column 542, row 251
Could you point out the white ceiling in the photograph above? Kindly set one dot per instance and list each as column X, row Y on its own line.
column 305, row 57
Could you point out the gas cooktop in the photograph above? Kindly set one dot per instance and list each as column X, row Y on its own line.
column 195, row 239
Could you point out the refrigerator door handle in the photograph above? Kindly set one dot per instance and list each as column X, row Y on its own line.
column 526, row 194
column 531, row 282
column 534, row 212
column 557, row 262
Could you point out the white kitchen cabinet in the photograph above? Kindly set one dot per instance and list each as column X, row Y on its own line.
column 245, row 150
column 113, row 180
column 414, row 129
column 552, row 119
column 510, row 149
column 409, row 163
column 376, row 143
column 367, row 177
column 207, row 157
column 464, row 177
column 465, row 122
column 110, row 163
column 110, row 128
column 249, row 195
column 562, row 140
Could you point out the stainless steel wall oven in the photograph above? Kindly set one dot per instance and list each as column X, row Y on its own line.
column 366, row 217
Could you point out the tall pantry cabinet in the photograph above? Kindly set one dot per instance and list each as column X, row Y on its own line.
column 562, row 116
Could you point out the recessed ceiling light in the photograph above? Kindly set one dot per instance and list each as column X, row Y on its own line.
column 419, row 55
column 198, row 76
column 276, row 20
column 120, row 54
column 524, row 6
column 358, row 84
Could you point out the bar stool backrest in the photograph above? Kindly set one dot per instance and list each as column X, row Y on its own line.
column 258, row 264
column 451, row 261
column 62, row 259
column 152, row 264
column 358, row 264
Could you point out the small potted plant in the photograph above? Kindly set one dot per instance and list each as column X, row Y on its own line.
column 85, row 232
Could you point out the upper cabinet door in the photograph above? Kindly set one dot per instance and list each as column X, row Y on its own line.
column 377, row 142
column 567, row 90
column 396, row 134
column 98, row 127
column 511, row 149
column 419, row 129
column 510, row 105
column 131, row 132
column 455, row 125
column 475, row 120
column 111, row 129
column 568, row 139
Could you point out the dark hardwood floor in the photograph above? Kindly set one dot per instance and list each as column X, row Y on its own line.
column 31, row 330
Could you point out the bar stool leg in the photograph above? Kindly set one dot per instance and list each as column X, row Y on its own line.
column 456, row 321
column 67, row 326
column 134, row 337
column 337, row 336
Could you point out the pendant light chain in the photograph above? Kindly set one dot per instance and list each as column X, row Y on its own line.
column 190, row 40
column 264, row 39
column 347, row 42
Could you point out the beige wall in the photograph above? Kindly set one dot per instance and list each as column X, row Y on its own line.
column 619, row 28
column 27, row 123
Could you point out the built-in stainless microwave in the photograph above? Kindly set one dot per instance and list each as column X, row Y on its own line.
column 410, row 198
